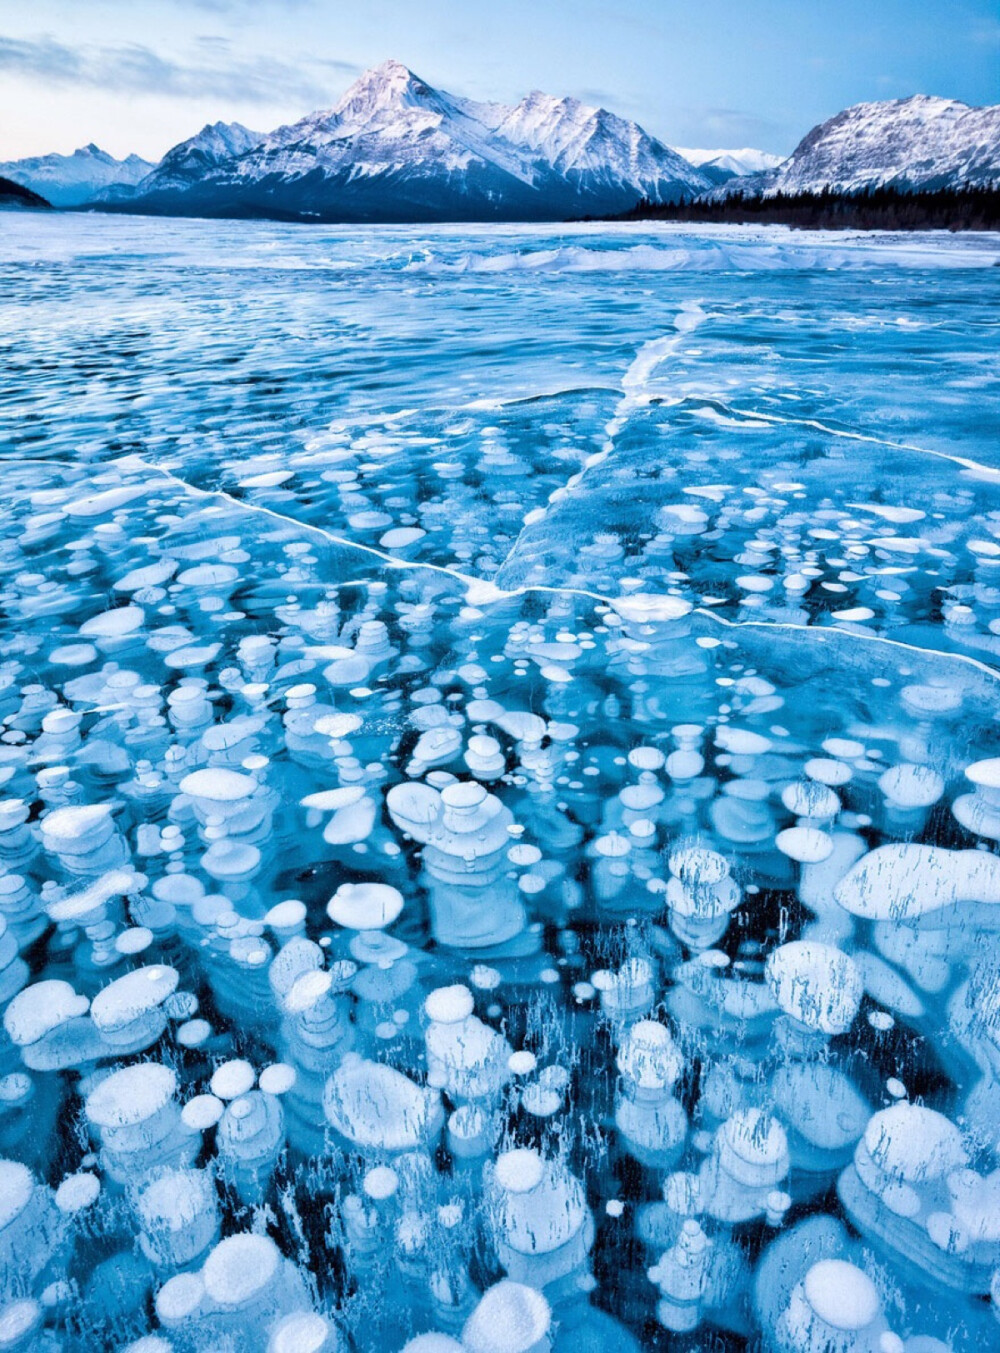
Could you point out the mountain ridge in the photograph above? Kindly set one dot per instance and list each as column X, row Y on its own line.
column 72, row 180
column 920, row 143
column 396, row 148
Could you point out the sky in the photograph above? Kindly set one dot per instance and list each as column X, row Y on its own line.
column 141, row 75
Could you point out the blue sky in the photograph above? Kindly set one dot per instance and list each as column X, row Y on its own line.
column 143, row 74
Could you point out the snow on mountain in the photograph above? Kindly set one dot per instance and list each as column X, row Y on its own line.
column 574, row 139
column 189, row 161
column 396, row 148
column 69, row 180
column 915, row 143
column 731, row 162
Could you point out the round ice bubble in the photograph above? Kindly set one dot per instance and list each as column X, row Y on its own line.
column 17, row 1185
column 519, row 1170
column 817, row 984
column 202, row 1112
column 303, row 1332
column 510, row 1318
column 216, row 784
column 377, row 1107
column 449, row 1005
column 20, row 1321
column 78, row 1191
column 277, row 1079
column 232, row 1079
column 40, row 1008
column 365, row 906
column 911, row 786
column 239, row 1268
column 805, row 845
column 131, row 1095
column 433, row 1343
column 842, row 1295
column 129, row 998
column 648, row 1056
column 754, row 1148
column 914, row 1143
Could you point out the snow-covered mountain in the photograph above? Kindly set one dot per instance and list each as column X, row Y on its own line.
column 721, row 165
column 911, row 144
column 69, row 180
column 397, row 149
column 190, row 161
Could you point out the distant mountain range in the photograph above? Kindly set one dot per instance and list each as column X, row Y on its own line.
column 397, row 149
column 722, row 165
column 72, row 180
column 915, row 144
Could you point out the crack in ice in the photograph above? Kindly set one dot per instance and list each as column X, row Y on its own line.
column 483, row 592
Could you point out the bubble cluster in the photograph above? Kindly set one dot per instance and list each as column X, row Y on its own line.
column 436, row 913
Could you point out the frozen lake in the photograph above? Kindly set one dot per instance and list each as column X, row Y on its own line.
column 501, row 776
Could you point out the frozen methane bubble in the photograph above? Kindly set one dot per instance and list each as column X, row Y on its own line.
column 376, row 1107
column 979, row 812
column 128, row 1012
column 910, row 1188
column 509, row 1318
column 836, row 1306
column 465, row 1057
column 30, row 1228
column 749, row 1158
column 683, row 1275
column 386, row 911
column 365, row 906
column 647, row 1114
column 178, row 1211
column 463, row 829
column 816, row 985
column 701, row 894
column 910, row 792
column 243, row 1290
column 47, row 1021
column 138, row 1121
column 304, row 1332
column 542, row 1227
column 903, row 882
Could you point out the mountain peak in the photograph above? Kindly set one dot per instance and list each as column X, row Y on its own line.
column 920, row 142
column 395, row 144
column 390, row 85
column 391, row 69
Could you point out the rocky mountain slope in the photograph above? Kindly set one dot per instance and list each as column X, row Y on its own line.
column 15, row 197
column 914, row 144
column 397, row 149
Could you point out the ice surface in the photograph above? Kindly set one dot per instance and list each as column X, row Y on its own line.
column 499, row 789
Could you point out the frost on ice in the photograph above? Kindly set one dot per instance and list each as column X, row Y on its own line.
column 521, row 875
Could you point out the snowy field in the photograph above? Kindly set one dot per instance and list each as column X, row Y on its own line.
column 500, row 788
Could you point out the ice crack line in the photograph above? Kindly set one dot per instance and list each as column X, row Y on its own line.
column 634, row 395
column 482, row 592
column 986, row 472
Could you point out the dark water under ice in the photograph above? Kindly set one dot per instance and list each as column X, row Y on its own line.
column 500, row 785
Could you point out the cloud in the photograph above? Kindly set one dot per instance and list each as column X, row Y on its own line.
column 135, row 69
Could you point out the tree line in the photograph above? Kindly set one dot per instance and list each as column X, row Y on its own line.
column 872, row 209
